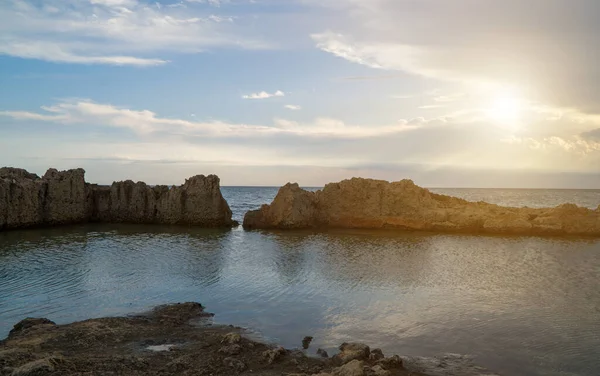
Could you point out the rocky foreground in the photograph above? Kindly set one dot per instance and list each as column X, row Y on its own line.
column 377, row 204
column 171, row 340
column 63, row 197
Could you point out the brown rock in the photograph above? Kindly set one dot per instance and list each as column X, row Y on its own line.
column 231, row 349
column 353, row 351
column 306, row 342
column 273, row 355
column 380, row 371
column 62, row 197
column 231, row 338
column 353, row 368
column 393, row 362
column 377, row 204
column 28, row 323
column 376, row 354
column 38, row 367
column 236, row 364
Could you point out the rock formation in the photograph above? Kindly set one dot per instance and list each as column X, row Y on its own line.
column 377, row 204
column 27, row 200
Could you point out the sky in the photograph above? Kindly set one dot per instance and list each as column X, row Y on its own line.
column 449, row 93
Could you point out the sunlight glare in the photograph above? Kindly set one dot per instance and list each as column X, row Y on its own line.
column 506, row 110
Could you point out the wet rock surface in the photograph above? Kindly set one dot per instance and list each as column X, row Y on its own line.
column 378, row 204
column 63, row 197
column 119, row 346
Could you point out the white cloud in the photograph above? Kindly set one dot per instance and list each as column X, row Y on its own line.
column 116, row 32
column 60, row 54
column 214, row 3
column 525, row 44
column 264, row 95
column 148, row 123
column 293, row 107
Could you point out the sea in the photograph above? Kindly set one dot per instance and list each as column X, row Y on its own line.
column 516, row 305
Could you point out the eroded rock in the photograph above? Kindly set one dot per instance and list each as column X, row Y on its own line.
column 378, row 204
column 62, row 197
column 273, row 355
column 393, row 362
column 353, row 368
column 235, row 364
column 353, row 351
column 29, row 323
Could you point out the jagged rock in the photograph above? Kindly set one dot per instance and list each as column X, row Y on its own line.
column 65, row 198
column 17, row 173
column 38, row 367
column 231, row 349
column 62, row 197
column 353, row 368
column 306, row 342
column 231, row 338
column 380, row 371
column 271, row 356
column 322, row 353
column 292, row 208
column 368, row 203
column 236, row 364
column 376, row 354
column 28, row 323
column 353, row 351
column 393, row 362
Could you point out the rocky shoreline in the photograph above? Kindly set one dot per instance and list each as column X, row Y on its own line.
column 376, row 204
column 63, row 197
column 178, row 339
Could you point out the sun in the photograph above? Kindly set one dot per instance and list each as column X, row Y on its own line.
column 505, row 109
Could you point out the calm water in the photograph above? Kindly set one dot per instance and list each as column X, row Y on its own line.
column 520, row 305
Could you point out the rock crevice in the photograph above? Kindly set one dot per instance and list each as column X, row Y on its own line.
column 63, row 197
column 377, row 204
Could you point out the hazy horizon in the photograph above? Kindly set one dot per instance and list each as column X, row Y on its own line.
column 461, row 93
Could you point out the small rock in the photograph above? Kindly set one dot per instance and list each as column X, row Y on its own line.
column 231, row 349
column 297, row 354
column 322, row 353
column 376, row 354
column 27, row 323
column 352, row 351
column 393, row 362
column 306, row 342
column 236, row 364
column 379, row 371
column 231, row 338
column 353, row 368
column 37, row 367
column 271, row 356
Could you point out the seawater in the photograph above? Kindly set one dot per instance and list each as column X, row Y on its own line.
column 519, row 305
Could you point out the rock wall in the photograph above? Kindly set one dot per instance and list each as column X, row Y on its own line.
column 377, row 204
column 27, row 200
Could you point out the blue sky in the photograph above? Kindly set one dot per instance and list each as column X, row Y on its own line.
column 262, row 92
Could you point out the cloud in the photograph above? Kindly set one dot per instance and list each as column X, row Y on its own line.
column 523, row 44
column 592, row 135
column 115, row 32
column 60, row 54
column 148, row 123
column 264, row 95
column 293, row 107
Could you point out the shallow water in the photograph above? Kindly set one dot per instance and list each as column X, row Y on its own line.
column 521, row 305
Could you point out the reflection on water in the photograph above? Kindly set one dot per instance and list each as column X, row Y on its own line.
column 522, row 306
